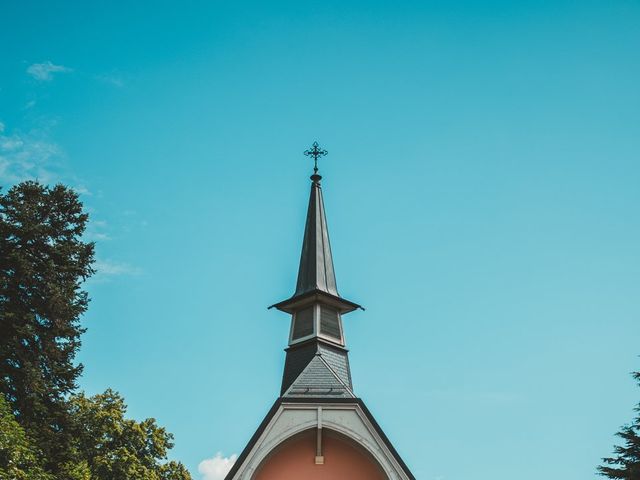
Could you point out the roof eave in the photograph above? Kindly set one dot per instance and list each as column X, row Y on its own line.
column 294, row 303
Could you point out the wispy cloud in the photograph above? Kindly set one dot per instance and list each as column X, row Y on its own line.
column 82, row 190
column 44, row 71
column 32, row 156
column 216, row 468
column 98, row 236
column 96, row 231
column 111, row 79
column 28, row 156
column 109, row 268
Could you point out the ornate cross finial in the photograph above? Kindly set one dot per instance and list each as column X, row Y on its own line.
column 316, row 152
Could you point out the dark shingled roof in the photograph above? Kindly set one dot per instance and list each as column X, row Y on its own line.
column 316, row 263
column 330, row 377
column 316, row 276
column 318, row 379
column 301, row 355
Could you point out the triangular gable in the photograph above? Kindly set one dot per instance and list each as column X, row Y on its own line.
column 348, row 416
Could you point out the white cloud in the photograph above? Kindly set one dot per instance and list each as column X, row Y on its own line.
column 99, row 231
column 97, row 236
column 44, row 71
column 28, row 156
column 108, row 268
column 216, row 468
column 96, row 231
column 33, row 156
column 82, row 190
column 111, row 79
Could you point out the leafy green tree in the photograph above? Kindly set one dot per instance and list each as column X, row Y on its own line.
column 47, row 431
column 625, row 465
column 43, row 262
column 117, row 448
column 19, row 459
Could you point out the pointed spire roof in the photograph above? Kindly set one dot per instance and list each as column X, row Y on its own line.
column 316, row 263
column 316, row 276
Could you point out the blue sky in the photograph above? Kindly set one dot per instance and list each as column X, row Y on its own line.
column 482, row 192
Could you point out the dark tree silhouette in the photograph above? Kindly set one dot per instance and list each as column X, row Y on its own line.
column 43, row 262
column 625, row 464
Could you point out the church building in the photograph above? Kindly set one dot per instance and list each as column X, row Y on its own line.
column 318, row 428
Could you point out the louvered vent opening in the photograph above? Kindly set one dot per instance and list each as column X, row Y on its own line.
column 329, row 322
column 303, row 323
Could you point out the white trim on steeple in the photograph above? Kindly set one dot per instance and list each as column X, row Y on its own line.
column 345, row 418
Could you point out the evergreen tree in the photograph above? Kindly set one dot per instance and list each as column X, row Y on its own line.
column 625, row 465
column 43, row 262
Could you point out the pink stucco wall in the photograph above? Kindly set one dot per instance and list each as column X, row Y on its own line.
column 295, row 460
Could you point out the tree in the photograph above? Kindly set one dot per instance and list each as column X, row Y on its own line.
column 43, row 262
column 47, row 430
column 625, row 465
column 117, row 448
column 19, row 459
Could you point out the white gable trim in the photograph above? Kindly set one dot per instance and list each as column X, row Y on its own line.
column 347, row 419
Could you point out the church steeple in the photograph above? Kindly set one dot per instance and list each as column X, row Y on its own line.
column 317, row 363
column 318, row 428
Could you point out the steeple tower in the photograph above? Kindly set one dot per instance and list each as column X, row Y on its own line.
column 317, row 364
column 318, row 429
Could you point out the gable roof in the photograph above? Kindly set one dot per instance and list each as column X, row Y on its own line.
column 347, row 401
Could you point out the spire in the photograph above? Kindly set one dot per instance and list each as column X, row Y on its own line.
column 317, row 363
column 316, row 263
column 316, row 276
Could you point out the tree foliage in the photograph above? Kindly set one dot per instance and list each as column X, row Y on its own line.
column 43, row 263
column 625, row 464
column 19, row 458
column 117, row 448
column 47, row 430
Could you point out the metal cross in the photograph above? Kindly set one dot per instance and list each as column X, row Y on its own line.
column 315, row 151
